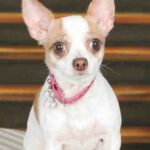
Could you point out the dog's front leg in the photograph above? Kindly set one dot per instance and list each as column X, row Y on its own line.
column 112, row 142
column 115, row 142
column 109, row 142
column 53, row 145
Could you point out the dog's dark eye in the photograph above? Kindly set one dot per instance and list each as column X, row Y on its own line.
column 95, row 44
column 59, row 48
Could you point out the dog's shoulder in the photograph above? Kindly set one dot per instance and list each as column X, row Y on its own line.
column 36, row 104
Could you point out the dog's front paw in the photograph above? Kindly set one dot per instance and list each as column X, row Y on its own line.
column 99, row 145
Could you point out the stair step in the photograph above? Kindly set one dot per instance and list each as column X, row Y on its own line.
column 121, row 18
column 112, row 53
column 135, row 135
column 77, row 5
column 27, row 92
column 21, row 53
column 133, row 93
column 18, row 92
column 121, row 35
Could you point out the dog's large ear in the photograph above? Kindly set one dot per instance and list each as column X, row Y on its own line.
column 103, row 12
column 37, row 18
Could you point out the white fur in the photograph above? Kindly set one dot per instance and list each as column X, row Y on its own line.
column 94, row 122
column 80, row 126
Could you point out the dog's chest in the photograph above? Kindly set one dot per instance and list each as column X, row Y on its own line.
column 71, row 124
column 75, row 117
column 77, row 130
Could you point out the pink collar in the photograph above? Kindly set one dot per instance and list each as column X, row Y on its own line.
column 59, row 95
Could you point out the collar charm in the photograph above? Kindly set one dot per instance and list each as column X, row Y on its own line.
column 50, row 99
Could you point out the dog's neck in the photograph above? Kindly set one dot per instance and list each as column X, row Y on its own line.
column 72, row 85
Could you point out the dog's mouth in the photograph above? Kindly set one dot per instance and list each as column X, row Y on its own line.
column 74, row 74
column 81, row 73
column 78, row 74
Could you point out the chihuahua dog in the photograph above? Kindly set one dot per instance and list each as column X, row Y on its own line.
column 76, row 108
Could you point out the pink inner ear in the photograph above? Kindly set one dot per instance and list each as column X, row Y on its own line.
column 37, row 18
column 104, row 12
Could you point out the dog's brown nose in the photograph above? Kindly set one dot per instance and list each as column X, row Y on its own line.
column 80, row 64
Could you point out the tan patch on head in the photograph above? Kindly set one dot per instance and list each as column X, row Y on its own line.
column 94, row 28
column 57, row 34
column 95, row 33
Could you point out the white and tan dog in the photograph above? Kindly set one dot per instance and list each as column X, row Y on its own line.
column 76, row 109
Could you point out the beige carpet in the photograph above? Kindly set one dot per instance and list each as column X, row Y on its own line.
column 11, row 139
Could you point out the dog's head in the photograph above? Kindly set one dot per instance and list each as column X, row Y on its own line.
column 74, row 45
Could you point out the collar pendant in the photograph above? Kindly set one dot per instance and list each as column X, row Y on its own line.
column 50, row 99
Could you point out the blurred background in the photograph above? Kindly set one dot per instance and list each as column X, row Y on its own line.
column 126, row 65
